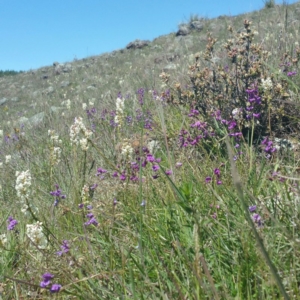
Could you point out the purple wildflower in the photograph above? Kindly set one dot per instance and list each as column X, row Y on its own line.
column 257, row 219
column 101, row 171
column 46, row 279
column 231, row 125
column 208, row 179
column 92, row 220
column 55, row 288
column 64, row 248
column 252, row 208
column 57, row 193
column 155, row 168
column 217, row 172
column 12, row 223
column 168, row 172
column 150, row 158
column 94, row 186
column 122, row 177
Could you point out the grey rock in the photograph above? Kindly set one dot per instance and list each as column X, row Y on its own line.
column 215, row 59
column 64, row 83
column 57, row 69
column 137, row 44
column 183, row 30
column 15, row 99
column 170, row 67
column 49, row 90
column 35, row 94
column 168, row 57
column 24, row 121
column 3, row 101
column 37, row 119
column 187, row 41
column 55, row 109
column 67, row 68
column 156, row 47
column 197, row 25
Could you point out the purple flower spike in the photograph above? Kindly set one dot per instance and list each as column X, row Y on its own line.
column 252, row 208
column 155, row 168
column 12, row 223
column 58, row 195
column 257, row 219
column 55, row 288
column 92, row 220
column 208, row 179
column 217, row 172
column 150, row 158
column 64, row 248
column 46, row 279
column 101, row 171
column 123, row 177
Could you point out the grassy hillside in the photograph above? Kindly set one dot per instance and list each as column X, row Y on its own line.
column 169, row 171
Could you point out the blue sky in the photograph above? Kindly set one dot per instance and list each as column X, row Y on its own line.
column 35, row 33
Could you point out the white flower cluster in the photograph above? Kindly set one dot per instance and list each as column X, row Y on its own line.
column 85, row 193
column 153, row 146
column 53, row 137
column 35, row 233
column 67, row 103
column 3, row 239
column 237, row 113
column 55, row 152
column 7, row 159
column 126, row 149
column 23, row 184
column 75, row 136
column 55, row 155
column 91, row 104
column 119, row 111
column 266, row 84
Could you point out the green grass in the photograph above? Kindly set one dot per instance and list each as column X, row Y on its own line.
column 184, row 231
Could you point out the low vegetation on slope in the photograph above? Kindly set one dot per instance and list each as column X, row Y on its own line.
column 168, row 171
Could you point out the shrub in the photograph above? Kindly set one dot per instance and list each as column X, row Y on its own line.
column 244, row 95
column 269, row 3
